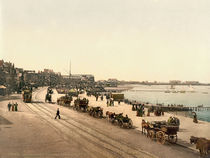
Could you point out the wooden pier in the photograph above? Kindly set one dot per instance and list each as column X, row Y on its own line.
column 171, row 107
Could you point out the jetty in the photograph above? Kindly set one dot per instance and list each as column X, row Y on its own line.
column 168, row 108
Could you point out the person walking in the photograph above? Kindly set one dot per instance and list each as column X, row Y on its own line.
column 107, row 102
column 9, row 106
column 195, row 120
column 13, row 107
column 16, row 106
column 112, row 102
column 58, row 114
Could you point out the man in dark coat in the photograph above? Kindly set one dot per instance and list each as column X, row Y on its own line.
column 16, row 106
column 9, row 106
column 58, row 114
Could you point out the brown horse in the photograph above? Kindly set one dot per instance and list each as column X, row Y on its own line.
column 202, row 144
column 110, row 115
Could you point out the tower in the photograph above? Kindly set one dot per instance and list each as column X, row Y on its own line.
column 70, row 69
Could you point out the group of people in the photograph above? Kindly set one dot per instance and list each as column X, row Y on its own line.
column 101, row 97
column 173, row 121
column 110, row 102
column 12, row 106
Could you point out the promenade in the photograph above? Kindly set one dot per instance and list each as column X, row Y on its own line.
column 187, row 127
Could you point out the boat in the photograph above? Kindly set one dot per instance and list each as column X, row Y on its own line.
column 174, row 91
column 200, row 106
column 172, row 87
column 167, row 91
column 191, row 89
column 205, row 92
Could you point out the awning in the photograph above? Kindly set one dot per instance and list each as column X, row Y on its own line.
column 2, row 87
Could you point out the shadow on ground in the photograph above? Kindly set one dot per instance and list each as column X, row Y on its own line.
column 4, row 121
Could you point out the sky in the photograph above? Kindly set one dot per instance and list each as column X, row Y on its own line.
column 154, row 40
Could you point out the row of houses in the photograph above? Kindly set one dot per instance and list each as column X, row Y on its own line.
column 13, row 79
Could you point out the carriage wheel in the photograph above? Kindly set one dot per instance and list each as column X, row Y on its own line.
column 95, row 114
column 98, row 114
column 115, row 122
column 73, row 107
column 112, row 120
column 160, row 135
column 130, row 124
column 101, row 114
column 123, row 125
column 172, row 138
column 90, row 113
column 151, row 134
column 120, row 123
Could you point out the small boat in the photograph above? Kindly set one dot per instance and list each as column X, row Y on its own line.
column 182, row 91
column 167, row 91
column 172, row 87
column 205, row 92
column 174, row 91
column 191, row 89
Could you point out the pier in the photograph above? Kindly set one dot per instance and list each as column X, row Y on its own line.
column 168, row 108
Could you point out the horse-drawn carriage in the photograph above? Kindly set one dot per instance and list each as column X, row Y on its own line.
column 95, row 111
column 48, row 98
column 160, row 131
column 73, row 93
column 64, row 100
column 81, row 104
column 119, row 119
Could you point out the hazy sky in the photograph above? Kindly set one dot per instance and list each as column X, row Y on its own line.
column 125, row 39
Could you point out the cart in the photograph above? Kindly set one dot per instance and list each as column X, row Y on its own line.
column 162, row 131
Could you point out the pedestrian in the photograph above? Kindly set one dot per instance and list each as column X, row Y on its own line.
column 195, row 120
column 148, row 112
column 13, row 107
column 107, row 102
column 58, row 114
column 9, row 106
column 119, row 102
column 16, row 106
column 112, row 102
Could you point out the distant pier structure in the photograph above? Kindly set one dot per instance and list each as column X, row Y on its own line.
column 184, row 108
column 168, row 108
column 199, row 108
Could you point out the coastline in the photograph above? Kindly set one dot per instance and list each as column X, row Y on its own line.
column 119, row 88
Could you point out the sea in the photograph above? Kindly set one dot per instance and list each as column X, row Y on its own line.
column 190, row 96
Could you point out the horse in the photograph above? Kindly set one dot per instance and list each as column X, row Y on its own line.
column 202, row 144
column 110, row 115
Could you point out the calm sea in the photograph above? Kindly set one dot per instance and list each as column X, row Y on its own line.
column 184, row 95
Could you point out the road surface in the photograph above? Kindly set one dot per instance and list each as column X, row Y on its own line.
column 33, row 132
